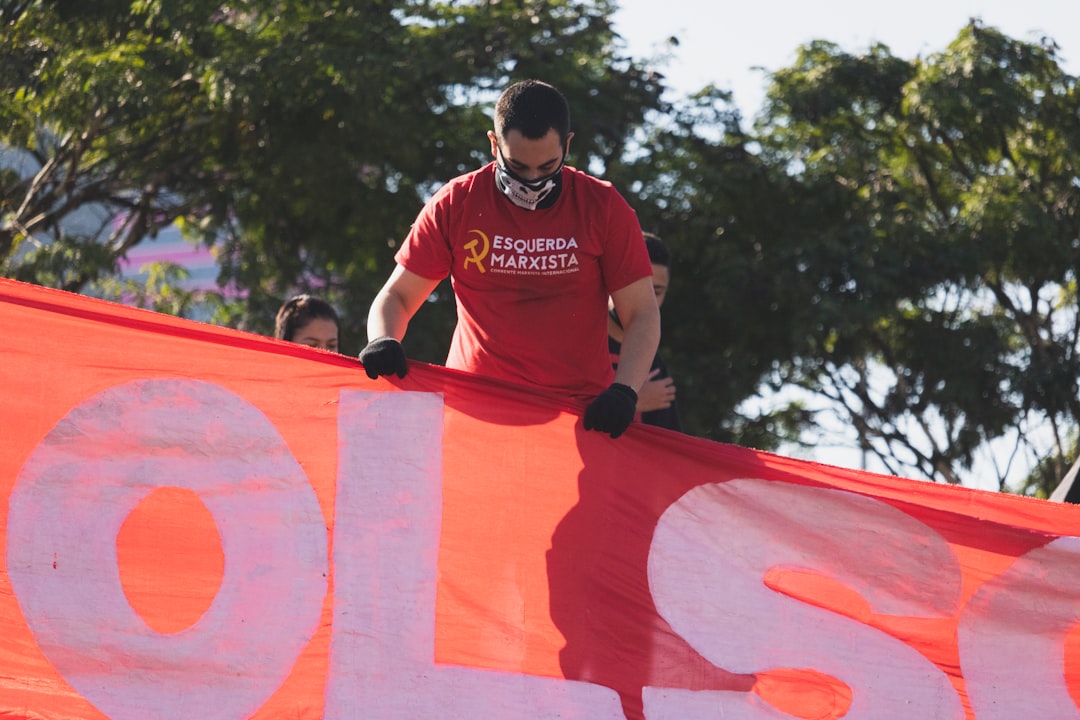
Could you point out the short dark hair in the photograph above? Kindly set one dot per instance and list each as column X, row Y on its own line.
column 533, row 108
column 298, row 311
column 659, row 254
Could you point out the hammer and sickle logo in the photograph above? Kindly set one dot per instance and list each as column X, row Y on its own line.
column 478, row 249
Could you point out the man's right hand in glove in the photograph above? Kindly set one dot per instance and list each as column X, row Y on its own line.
column 384, row 356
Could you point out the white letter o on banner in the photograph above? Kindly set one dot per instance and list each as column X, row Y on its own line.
column 81, row 483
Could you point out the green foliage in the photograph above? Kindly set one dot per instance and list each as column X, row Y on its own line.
column 161, row 291
column 945, row 242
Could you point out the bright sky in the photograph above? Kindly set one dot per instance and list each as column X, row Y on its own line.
column 722, row 42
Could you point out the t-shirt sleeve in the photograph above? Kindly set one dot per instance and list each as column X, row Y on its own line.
column 625, row 259
column 426, row 250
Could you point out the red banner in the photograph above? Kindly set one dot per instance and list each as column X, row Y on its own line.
column 204, row 523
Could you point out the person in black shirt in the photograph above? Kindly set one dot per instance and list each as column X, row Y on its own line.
column 656, row 400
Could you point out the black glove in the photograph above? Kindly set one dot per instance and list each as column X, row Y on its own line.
column 612, row 411
column 384, row 356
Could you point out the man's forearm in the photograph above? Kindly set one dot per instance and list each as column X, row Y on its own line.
column 641, row 338
column 387, row 317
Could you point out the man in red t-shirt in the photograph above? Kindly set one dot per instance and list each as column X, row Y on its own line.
column 533, row 249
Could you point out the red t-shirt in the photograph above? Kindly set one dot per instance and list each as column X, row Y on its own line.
column 531, row 286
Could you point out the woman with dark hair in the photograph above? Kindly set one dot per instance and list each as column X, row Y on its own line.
column 308, row 321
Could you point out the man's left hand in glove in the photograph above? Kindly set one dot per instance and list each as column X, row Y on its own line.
column 612, row 411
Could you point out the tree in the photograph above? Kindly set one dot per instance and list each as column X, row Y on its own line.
column 88, row 175
column 943, row 247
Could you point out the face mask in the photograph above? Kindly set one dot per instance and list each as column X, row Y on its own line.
column 528, row 194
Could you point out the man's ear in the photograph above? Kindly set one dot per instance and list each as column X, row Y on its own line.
column 494, row 143
column 566, row 150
